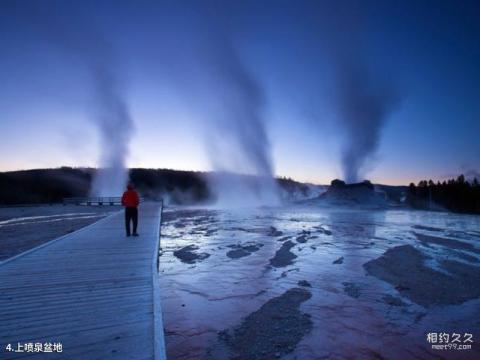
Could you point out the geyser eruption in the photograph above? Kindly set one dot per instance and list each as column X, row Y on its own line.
column 364, row 100
column 205, row 63
column 226, row 96
column 238, row 142
column 75, row 36
column 364, row 93
column 115, row 127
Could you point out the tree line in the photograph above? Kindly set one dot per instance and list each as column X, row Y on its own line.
column 49, row 186
column 458, row 195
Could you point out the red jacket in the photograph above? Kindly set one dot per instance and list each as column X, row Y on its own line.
column 130, row 198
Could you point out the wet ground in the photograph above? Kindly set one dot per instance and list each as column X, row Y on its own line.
column 25, row 227
column 319, row 283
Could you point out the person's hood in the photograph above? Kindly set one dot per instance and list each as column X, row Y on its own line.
column 129, row 187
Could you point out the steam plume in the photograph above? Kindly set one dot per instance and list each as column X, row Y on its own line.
column 229, row 100
column 77, row 40
column 365, row 101
column 115, row 127
column 240, row 142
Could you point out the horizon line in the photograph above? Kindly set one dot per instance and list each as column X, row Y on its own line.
column 278, row 176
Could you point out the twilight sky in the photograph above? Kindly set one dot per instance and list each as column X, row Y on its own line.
column 177, row 64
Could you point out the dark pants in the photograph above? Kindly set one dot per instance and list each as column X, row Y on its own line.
column 131, row 214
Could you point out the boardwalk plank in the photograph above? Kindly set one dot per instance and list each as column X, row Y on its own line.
column 93, row 290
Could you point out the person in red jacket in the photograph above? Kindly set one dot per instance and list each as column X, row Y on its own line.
column 131, row 200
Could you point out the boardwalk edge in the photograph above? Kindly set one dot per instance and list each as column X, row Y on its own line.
column 158, row 331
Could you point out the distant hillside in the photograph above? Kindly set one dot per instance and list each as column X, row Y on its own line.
column 180, row 187
column 43, row 186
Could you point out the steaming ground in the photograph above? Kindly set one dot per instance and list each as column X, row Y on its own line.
column 306, row 282
column 22, row 228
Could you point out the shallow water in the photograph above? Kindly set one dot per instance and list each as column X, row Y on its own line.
column 354, row 315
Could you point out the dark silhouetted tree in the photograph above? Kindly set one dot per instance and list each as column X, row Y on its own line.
column 457, row 195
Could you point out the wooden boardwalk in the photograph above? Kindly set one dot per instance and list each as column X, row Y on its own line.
column 95, row 291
